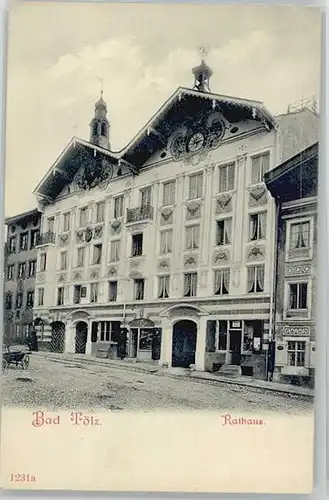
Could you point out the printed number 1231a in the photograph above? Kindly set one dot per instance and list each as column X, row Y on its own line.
column 22, row 478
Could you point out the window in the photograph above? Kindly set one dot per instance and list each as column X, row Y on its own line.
column 226, row 177
column 60, row 296
column 257, row 226
column 190, row 284
column 77, row 293
column 34, row 238
column 23, row 241
column 115, row 251
column 296, row 353
column 32, row 268
column 256, row 279
column 30, row 299
column 83, row 217
column 80, row 256
column 300, row 235
column 100, row 211
column 41, row 293
column 63, row 261
column 113, row 291
column 298, row 295
column 137, row 244
column 105, row 331
column 163, row 287
column 224, row 232
column 97, row 255
column 9, row 301
column 21, row 270
column 139, row 289
column 118, row 207
column 166, row 241
column 51, row 224
column 146, row 194
column 66, row 222
column 19, row 300
column 259, row 166
column 222, row 282
column 12, row 244
column 196, row 186
column 10, row 272
column 169, row 193
column 222, row 335
column 43, row 262
column 192, row 237
column 94, row 292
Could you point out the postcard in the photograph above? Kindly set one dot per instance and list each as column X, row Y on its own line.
column 160, row 258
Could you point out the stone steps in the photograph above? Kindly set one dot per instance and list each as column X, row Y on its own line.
column 231, row 371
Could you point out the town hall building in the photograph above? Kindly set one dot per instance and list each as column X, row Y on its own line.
column 163, row 252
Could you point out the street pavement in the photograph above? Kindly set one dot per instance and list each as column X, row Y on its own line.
column 69, row 384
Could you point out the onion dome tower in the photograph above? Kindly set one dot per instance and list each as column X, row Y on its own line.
column 202, row 73
column 99, row 125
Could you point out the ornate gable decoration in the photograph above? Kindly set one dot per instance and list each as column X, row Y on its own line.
column 95, row 171
column 198, row 139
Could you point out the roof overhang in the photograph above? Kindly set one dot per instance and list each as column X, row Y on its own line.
column 186, row 103
column 297, row 175
column 66, row 166
column 183, row 105
column 17, row 219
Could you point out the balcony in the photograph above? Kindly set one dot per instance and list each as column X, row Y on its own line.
column 139, row 214
column 46, row 239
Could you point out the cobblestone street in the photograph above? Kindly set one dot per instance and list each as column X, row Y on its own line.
column 62, row 384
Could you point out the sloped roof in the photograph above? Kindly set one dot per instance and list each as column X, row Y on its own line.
column 297, row 177
column 183, row 104
column 186, row 103
column 67, row 164
column 15, row 219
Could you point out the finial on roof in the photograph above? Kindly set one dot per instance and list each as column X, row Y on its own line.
column 202, row 73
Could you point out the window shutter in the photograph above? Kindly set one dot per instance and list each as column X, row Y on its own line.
column 211, row 336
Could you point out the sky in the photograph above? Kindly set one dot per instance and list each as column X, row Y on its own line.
column 59, row 52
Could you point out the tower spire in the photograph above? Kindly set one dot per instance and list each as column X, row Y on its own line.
column 202, row 72
column 99, row 125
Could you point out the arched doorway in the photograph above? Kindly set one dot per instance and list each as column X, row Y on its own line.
column 57, row 342
column 81, row 333
column 184, row 343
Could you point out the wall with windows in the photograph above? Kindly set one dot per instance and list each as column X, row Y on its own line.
column 173, row 231
column 20, row 273
column 296, row 289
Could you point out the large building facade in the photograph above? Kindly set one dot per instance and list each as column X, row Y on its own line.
column 20, row 270
column 294, row 187
column 167, row 247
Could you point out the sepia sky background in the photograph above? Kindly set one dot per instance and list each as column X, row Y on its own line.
column 58, row 52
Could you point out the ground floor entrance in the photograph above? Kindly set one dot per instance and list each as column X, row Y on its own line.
column 145, row 343
column 81, row 335
column 184, row 343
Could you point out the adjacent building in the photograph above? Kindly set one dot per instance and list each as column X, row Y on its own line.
column 293, row 184
column 166, row 248
column 20, row 270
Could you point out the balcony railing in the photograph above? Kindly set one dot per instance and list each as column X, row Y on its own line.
column 46, row 239
column 140, row 213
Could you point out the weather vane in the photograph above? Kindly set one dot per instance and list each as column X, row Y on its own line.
column 102, row 82
column 204, row 50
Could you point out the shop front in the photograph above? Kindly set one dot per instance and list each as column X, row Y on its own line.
column 237, row 343
column 144, row 340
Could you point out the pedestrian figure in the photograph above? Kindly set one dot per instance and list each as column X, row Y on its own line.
column 33, row 341
column 122, row 343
